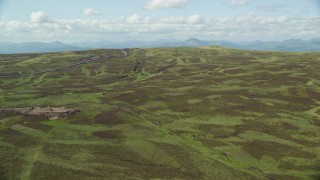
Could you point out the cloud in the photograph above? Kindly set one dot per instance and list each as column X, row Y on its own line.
column 271, row 8
column 165, row 4
column 194, row 19
column 172, row 20
column 90, row 12
column 189, row 20
column 282, row 19
column 136, row 19
column 39, row 17
column 244, row 27
column 238, row 2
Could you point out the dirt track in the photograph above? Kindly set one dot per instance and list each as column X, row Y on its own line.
column 82, row 61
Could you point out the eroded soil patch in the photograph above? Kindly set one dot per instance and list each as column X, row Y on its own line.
column 50, row 113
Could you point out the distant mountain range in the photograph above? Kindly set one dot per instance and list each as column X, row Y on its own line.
column 292, row 45
column 35, row 47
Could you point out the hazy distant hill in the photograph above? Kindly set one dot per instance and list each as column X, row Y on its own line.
column 288, row 45
column 35, row 47
column 292, row 45
column 192, row 42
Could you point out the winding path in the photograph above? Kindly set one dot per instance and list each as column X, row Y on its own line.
column 82, row 61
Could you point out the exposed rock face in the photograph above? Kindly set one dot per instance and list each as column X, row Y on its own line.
column 51, row 113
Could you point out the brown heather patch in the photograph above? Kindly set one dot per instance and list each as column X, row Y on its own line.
column 194, row 60
column 190, row 169
column 176, row 103
column 132, row 164
column 37, row 125
column 281, row 177
column 107, row 118
column 163, row 68
column 18, row 139
column 119, row 66
column 230, row 111
column 216, row 130
column 209, row 67
column 7, row 114
column 63, row 151
column 234, row 71
column 82, row 121
column 279, row 131
column 305, row 142
column 293, row 91
column 317, row 122
column 290, row 166
column 181, row 132
column 11, row 163
column 261, row 127
column 290, row 126
column 255, row 106
column 111, row 134
column 295, row 103
column 314, row 94
column 212, row 142
column 277, row 151
column 199, row 93
column 291, row 66
column 235, row 58
column 52, row 172
column 134, row 98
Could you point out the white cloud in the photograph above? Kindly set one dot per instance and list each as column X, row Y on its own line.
column 238, row 2
column 191, row 20
column 245, row 27
column 136, row 19
column 90, row 12
column 232, row 33
column 194, row 19
column 39, row 17
column 16, row 26
column 165, row 4
column 283, row 18
column 271, row 8
column 172, row 20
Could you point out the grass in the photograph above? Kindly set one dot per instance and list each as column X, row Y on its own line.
column 183, row 113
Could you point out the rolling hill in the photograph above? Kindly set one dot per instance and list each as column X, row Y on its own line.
column 162, row 113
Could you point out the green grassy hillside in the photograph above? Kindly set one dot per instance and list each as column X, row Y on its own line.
column 186, row 113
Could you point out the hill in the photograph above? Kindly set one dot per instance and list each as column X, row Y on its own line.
column 35, row 47
column 293, row 45
column 185, row 113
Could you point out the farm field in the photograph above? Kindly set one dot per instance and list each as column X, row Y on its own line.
column 184, row 113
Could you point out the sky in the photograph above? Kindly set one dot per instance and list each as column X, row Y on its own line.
column 148, row 20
